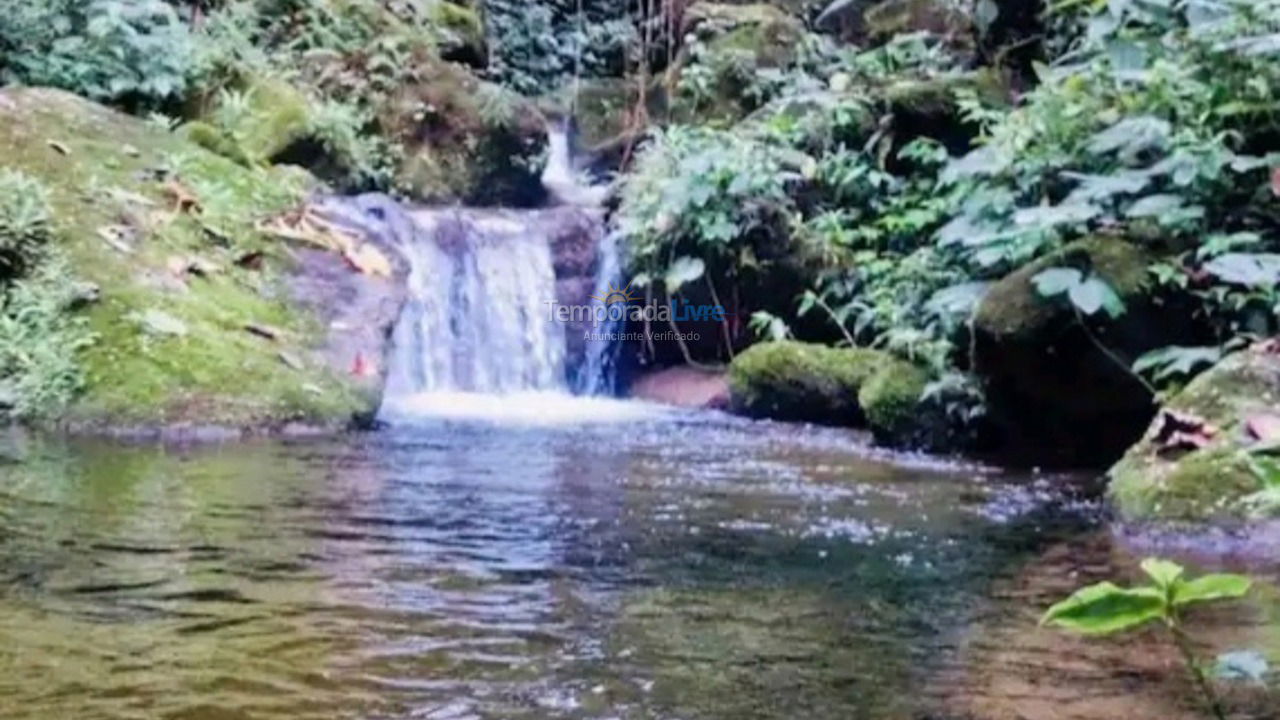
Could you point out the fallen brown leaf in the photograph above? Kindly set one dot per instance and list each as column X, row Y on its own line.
column 1182, row 431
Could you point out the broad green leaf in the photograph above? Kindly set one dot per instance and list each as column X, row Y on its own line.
column 1103, row 187
column 1208, row 588
column 1131, row 136
column 1248, row 269
column 1094, row 294
column 1055, row 281
column 1154, row 206
column 1105, row 608
column 1048, row 216
column 1163, row 572
column 957, row 300
column 683, row 271
column 1175, row 360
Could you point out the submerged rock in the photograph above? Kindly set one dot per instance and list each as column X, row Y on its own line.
column 1193, row 462
column 684, row 386
column 1059, row 386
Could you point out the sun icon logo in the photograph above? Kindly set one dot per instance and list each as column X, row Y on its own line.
column 617, row 295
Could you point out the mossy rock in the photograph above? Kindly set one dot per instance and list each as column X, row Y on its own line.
column 735, row 41
column 1059, row 386
column 1155, row 482
column 461, row 32
column 464, row 138
column 804, row 382
column 900, row 17
column 891, row 402
column 114, row 176
column 275, row 116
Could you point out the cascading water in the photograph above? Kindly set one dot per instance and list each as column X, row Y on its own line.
column 479, row 336
column 480, row 330
column 477, row 318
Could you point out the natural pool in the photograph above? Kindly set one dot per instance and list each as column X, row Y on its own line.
column 658, row 565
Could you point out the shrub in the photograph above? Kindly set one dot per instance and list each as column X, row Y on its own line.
column 39, row 337
column 121, row 50
column 24, row 222
column 40, row 342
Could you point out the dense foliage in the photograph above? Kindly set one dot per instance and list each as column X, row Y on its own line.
column 1152, row 126
column 136, row 51
column 536, row 46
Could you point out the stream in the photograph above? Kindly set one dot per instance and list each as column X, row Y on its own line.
column 606, row 560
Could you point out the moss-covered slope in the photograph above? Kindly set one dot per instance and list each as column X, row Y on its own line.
column 160, row 225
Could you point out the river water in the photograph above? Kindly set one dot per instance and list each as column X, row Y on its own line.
column 645, row 564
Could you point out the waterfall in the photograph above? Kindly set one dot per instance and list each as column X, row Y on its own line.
column 596, row 374
column 477, row 317
column 479, row 320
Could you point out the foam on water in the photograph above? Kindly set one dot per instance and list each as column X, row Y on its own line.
column 521, row 408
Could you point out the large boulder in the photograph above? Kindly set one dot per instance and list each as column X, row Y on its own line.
column 463, row 139
column 1193, row 462
column 253, row 123
column 1059, row 387
column 801, row 382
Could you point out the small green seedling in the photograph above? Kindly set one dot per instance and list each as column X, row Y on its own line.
column 1106, row 609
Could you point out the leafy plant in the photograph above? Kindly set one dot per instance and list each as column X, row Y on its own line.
column 1171, row 362
column 25, row 222
column 1106, row 609
column 40, row 341
column 105, row 49
column 1089, row 294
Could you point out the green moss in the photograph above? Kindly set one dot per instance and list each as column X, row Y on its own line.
column 1013, row 307
column 215, row 141
column 800, row 381
column 899, row 17
column 736, row 41
column 890, row 399
column 111, row 180
column 1152, row 483
column 462, row 137
column 1203, row 485
column 462, row 30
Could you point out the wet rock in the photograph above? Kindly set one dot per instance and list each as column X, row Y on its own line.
column 359, row 310
column 1206, row 480
column 1059, row 387
column 684, row 386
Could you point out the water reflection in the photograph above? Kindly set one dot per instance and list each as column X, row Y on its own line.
column 678, row 567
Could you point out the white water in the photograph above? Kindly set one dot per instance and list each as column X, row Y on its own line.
column 477, row 319
column 543, row 409
column 477, row 340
